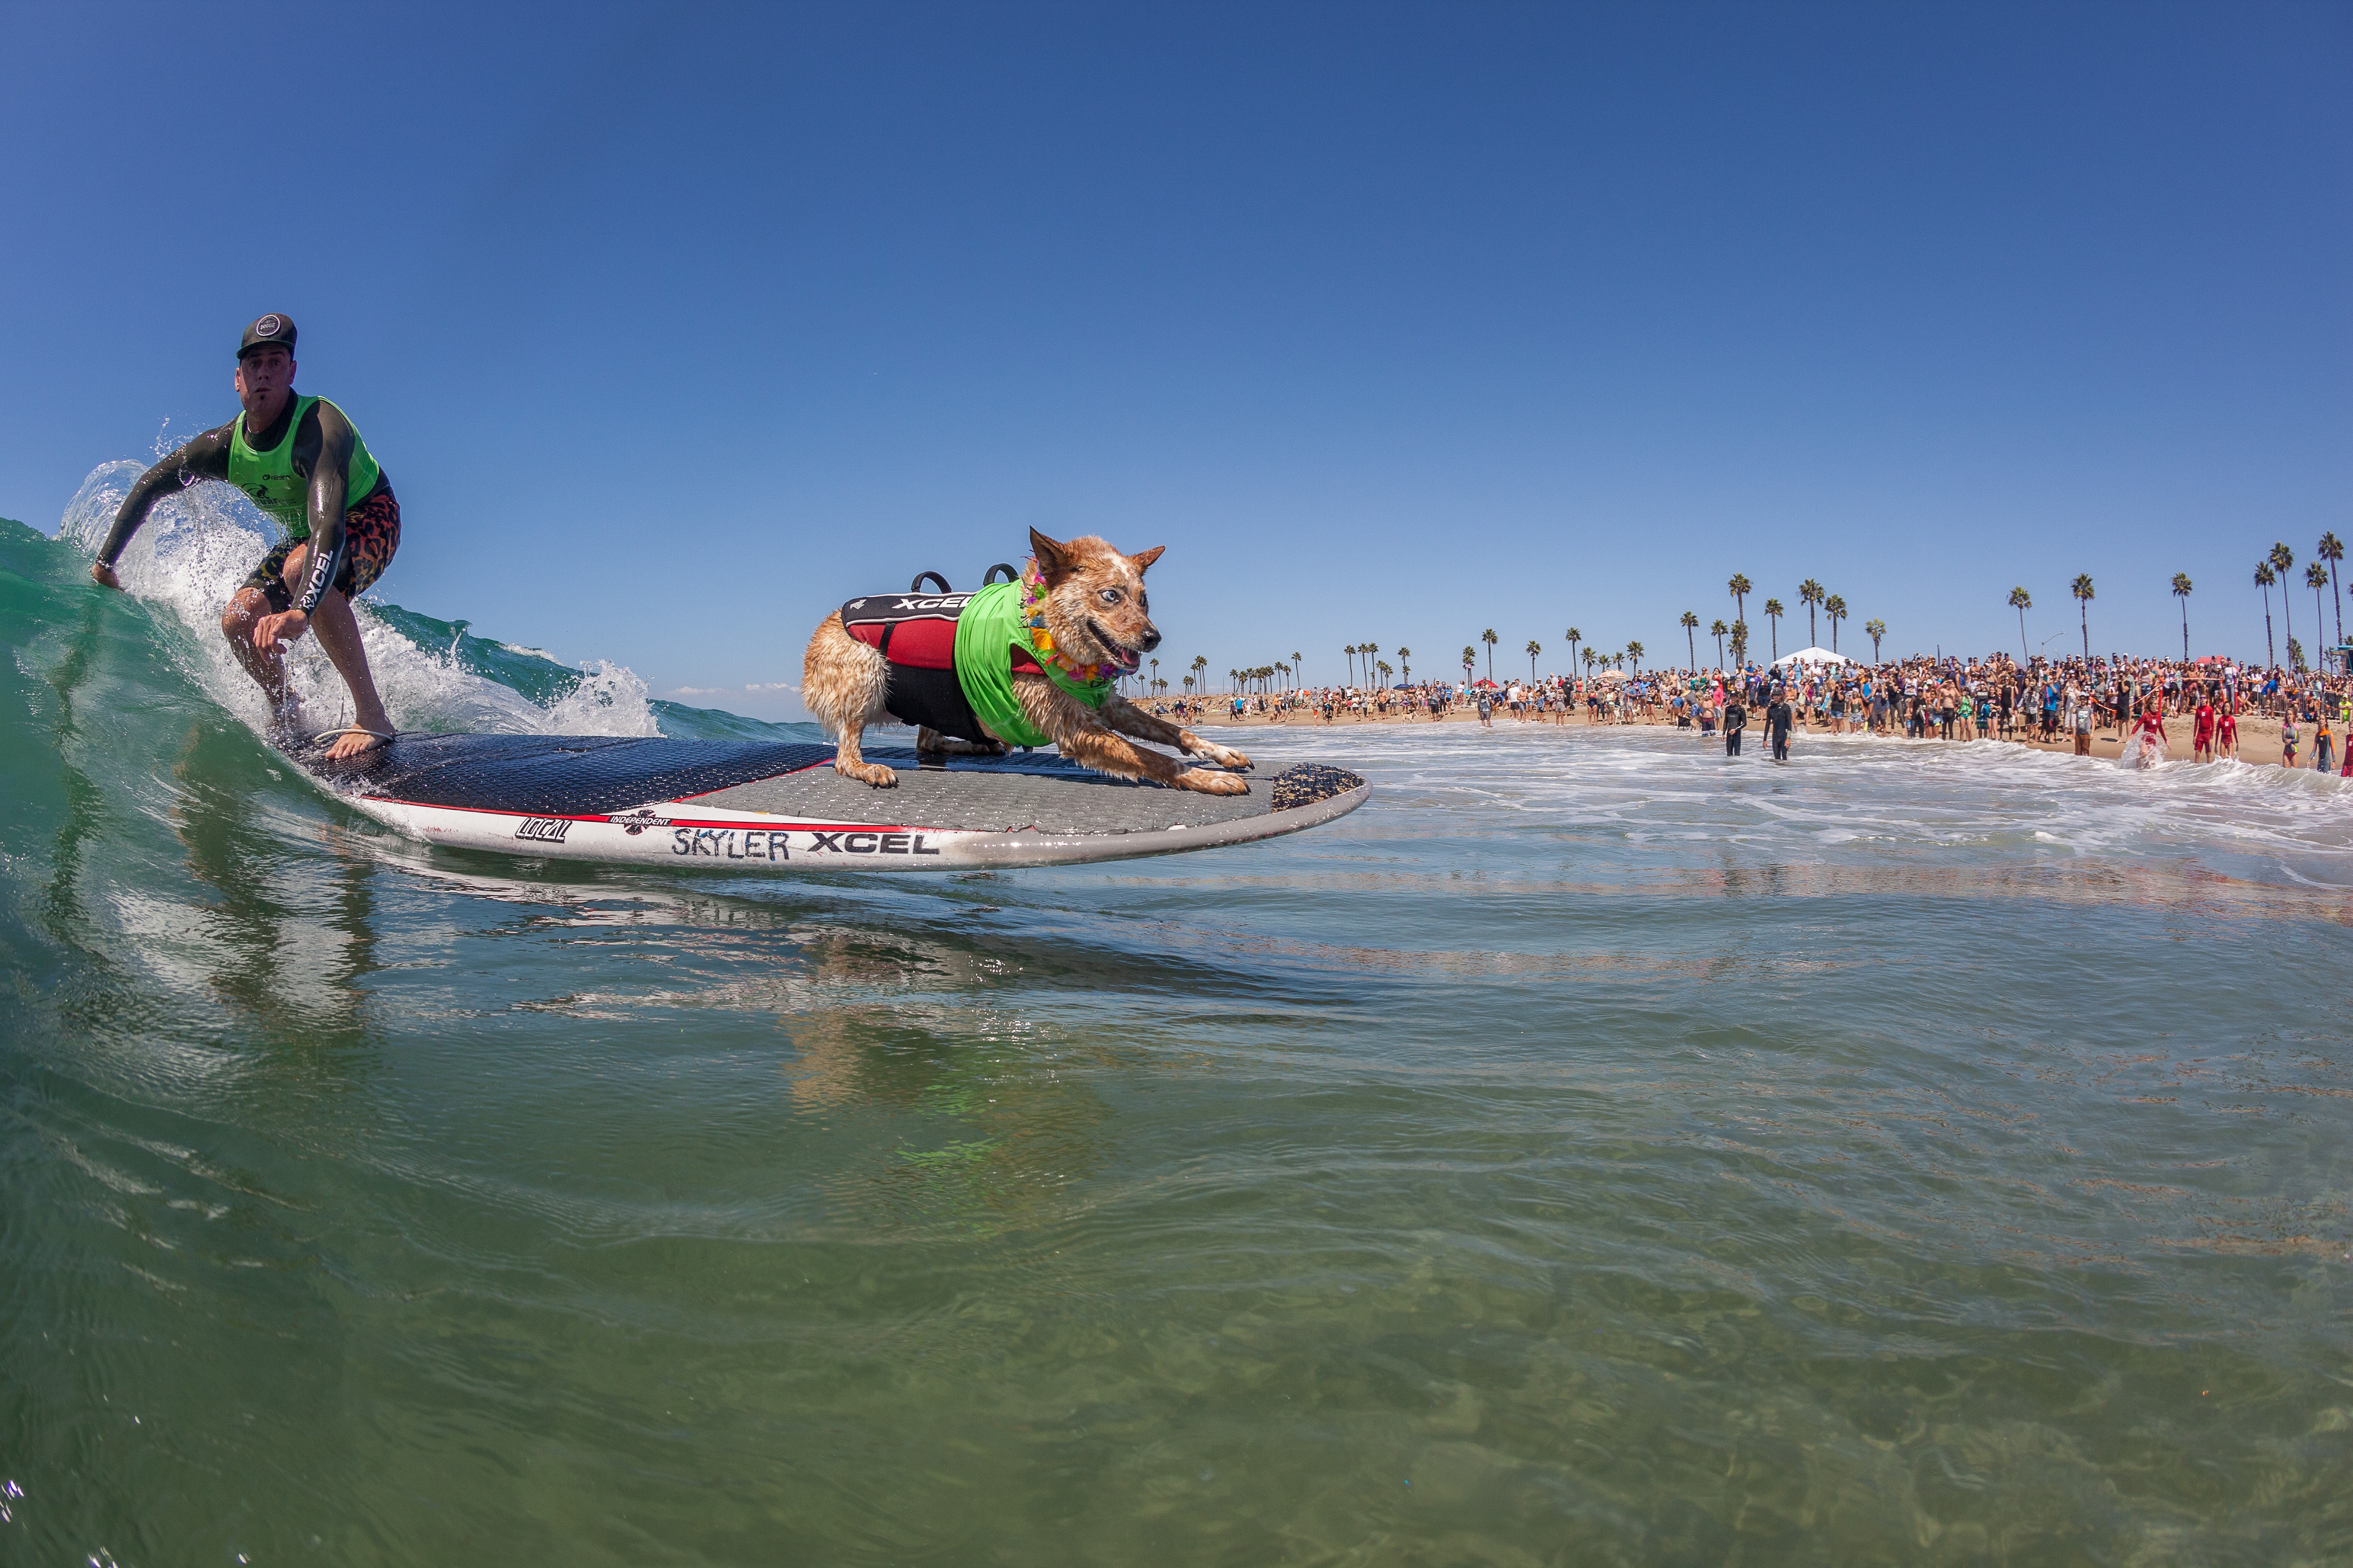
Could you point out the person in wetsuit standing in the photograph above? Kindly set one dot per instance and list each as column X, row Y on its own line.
column 301, row 461
column 1778, row 721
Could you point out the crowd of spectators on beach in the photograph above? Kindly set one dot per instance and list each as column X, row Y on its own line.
column 2049, row 701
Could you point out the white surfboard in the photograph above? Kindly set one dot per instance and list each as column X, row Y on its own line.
column 746, row 806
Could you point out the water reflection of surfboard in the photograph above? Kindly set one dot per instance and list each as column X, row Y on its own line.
column 760, row 805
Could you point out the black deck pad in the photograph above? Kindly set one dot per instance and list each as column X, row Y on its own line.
column 559, row 776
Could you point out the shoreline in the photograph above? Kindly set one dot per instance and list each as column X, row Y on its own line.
column 2259, row 737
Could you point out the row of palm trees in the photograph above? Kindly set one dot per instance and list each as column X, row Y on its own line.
column 1820, row 603
column 2270, row 572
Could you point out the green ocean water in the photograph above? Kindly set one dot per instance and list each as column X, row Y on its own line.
column 1591, row 1151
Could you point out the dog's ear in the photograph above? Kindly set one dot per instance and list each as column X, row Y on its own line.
column 1144, row 558
column 1054, row 561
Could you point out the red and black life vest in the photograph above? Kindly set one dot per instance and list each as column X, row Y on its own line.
column 916, row 633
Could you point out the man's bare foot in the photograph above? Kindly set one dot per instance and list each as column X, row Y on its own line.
column 356, row 741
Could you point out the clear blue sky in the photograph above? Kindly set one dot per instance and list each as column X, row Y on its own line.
column 676, row 328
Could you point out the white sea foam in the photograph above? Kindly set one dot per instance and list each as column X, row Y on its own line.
column 198, row 544
column 1846, row 800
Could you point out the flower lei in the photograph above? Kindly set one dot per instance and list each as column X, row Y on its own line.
column 1041, row 641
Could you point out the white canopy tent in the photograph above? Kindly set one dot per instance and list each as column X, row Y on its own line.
column 1812, row 655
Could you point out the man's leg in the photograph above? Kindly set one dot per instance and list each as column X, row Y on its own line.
column 264, row 664
column 339, row 633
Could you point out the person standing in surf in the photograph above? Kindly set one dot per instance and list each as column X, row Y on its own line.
column 1778, row 719
column 301, row 461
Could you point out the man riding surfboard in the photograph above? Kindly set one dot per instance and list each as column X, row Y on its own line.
column 301, row 461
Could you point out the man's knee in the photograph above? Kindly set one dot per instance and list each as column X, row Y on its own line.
column 236, row 619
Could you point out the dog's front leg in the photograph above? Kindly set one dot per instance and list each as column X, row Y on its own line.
column 1079, row 733
column 1127, row 717
column 1095, row 747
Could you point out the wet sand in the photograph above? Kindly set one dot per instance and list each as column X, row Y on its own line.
column 2258, row 738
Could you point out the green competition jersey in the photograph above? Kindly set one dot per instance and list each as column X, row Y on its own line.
column 280, row 484
column 988, row 632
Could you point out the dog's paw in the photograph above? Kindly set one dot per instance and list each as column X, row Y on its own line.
column 873, row 773
column 1208, row 783
column 1224, row 758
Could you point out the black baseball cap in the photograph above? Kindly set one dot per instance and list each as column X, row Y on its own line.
column 270, row 332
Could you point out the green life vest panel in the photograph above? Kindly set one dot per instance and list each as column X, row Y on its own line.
column 271, row 479
column 988, row 630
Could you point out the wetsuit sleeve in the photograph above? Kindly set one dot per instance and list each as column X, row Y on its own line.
column 328, row 485
column 205, row 457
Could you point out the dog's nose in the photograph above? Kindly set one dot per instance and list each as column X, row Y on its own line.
column 1151, row 636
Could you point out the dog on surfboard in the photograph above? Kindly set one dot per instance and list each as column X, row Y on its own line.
column 1024, row 663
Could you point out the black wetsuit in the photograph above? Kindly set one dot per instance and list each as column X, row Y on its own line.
column 206, row 458
column 1736, row 720
column 1778, row 718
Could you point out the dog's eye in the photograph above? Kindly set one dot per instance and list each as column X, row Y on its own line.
column 1109, row 596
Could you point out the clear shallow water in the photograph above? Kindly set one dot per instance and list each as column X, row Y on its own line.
column 1586, row 1153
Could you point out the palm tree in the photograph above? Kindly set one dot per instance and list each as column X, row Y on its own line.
column 1773, row 612
column 1877, row 629
column 2264, row 578
column 2283, row 561
column 1740, row 587
column 1294, row 660
column 1573, row 637
column 1690, row 623
column 1188, row 683
column 2181, row 592
column 1351, row 651
column 1740, row 642
column 1717, row 629
column 1369, row 649
column 1488, row 637
column 1634, row 652
column 1156, row 672
column 1470, row 662
column 1404, row 657
column 2332, row 550
column 1385, row 671
column 1835, row 608
column 1201, row 668
column 1535, row 647
column 2315, row 577
column 2021, row 601
column 1809, row 594
column 2082, row 588
column 1591, row 659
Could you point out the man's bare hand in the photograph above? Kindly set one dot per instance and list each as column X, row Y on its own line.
column 273, row 632
column 103, row 575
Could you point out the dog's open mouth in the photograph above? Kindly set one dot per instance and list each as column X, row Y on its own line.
column 1120, row 655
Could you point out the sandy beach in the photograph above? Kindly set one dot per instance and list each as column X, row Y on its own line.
column 2258, row 738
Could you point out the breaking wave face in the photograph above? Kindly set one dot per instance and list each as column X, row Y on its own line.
column 197, row 546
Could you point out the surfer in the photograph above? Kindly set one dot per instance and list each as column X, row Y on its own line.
column 301, row 461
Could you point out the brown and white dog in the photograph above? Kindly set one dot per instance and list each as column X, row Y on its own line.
column 1096, row 612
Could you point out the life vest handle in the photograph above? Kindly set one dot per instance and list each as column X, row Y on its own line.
column 1010, row 574
column 917, row 585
